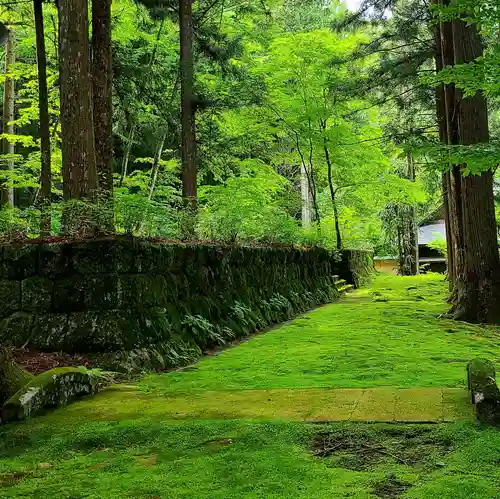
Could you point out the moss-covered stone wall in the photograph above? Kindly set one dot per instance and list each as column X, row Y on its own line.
column 161, row 303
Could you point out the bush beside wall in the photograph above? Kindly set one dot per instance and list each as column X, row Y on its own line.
column 144, row 302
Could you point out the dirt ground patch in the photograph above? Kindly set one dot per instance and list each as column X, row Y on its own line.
column 361, row 448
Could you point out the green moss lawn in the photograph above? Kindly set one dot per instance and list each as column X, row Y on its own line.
column 388, row 334
column 128, row 443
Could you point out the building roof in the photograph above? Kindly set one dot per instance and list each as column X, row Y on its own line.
column 431, row 231
column 437, row 214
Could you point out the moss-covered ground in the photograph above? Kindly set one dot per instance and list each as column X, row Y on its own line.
column 388, row 334
column 383, row 342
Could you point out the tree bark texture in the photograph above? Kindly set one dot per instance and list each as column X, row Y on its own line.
column 189, row 176
column 478, row 273
column 9, row 101
column 78, row 144
column 442, row 121
column 412, row 223
column 102, row 70
column 305, row 196
column 333, row 193
column 43, row 104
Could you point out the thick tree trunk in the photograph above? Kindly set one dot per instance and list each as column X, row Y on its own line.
column 43, row 104
column 448, row 128
column 78, row 145
column 102, row 80
column 102, row 69
column 189, row 177
column 478, row 276
column 9, row 100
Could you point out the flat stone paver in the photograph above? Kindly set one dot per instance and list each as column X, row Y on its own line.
column 307, row 404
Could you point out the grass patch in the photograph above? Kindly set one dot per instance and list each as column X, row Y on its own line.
column 358, row 343
column 234, row 459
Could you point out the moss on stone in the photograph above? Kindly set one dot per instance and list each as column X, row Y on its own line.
column 50, row 389
column 12, row 377
column 484, row 391
column 50, row 332
column 36, row 294
column 10, row 297
column 20, row 261
column 127, row 295
column 16, row 329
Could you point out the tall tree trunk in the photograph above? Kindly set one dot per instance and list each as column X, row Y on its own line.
column 78, row 145
column 9, row 100
column 189, row 180
column 43, row 105
column 102, row 69
column 412, row 223
column 305, row 194
column 478, row 276
column 311, row 180
column 126, row 156
column 333, row 197
column 338, row 236
column 156, row 163
column 447, row 103
column 440, row 97
column 442, row 120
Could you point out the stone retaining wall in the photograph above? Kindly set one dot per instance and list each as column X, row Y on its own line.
column 173, row 300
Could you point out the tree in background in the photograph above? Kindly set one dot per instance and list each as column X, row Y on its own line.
column 9, row 101
column 189, row 177
column 43, row 103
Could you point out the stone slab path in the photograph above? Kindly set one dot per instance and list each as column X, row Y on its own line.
column 310, row 404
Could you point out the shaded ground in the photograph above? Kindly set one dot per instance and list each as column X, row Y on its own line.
column 37, row 362
column 385, row 342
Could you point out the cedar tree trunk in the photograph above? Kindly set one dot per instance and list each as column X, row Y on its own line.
column 478, row 276
column 102, row 70
column 9, row 100
column 78, row 146
column 43, row 105
column 189, row 180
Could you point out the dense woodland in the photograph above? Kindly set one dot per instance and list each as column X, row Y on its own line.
column 258, row 121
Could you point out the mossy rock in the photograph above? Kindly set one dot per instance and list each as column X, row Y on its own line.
column 50, row 389
column 12, row 377
column 484, row 391
column 16, row 329
column 54, row 260
column 19, row 261
column 36, row 294
column 10, row 297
